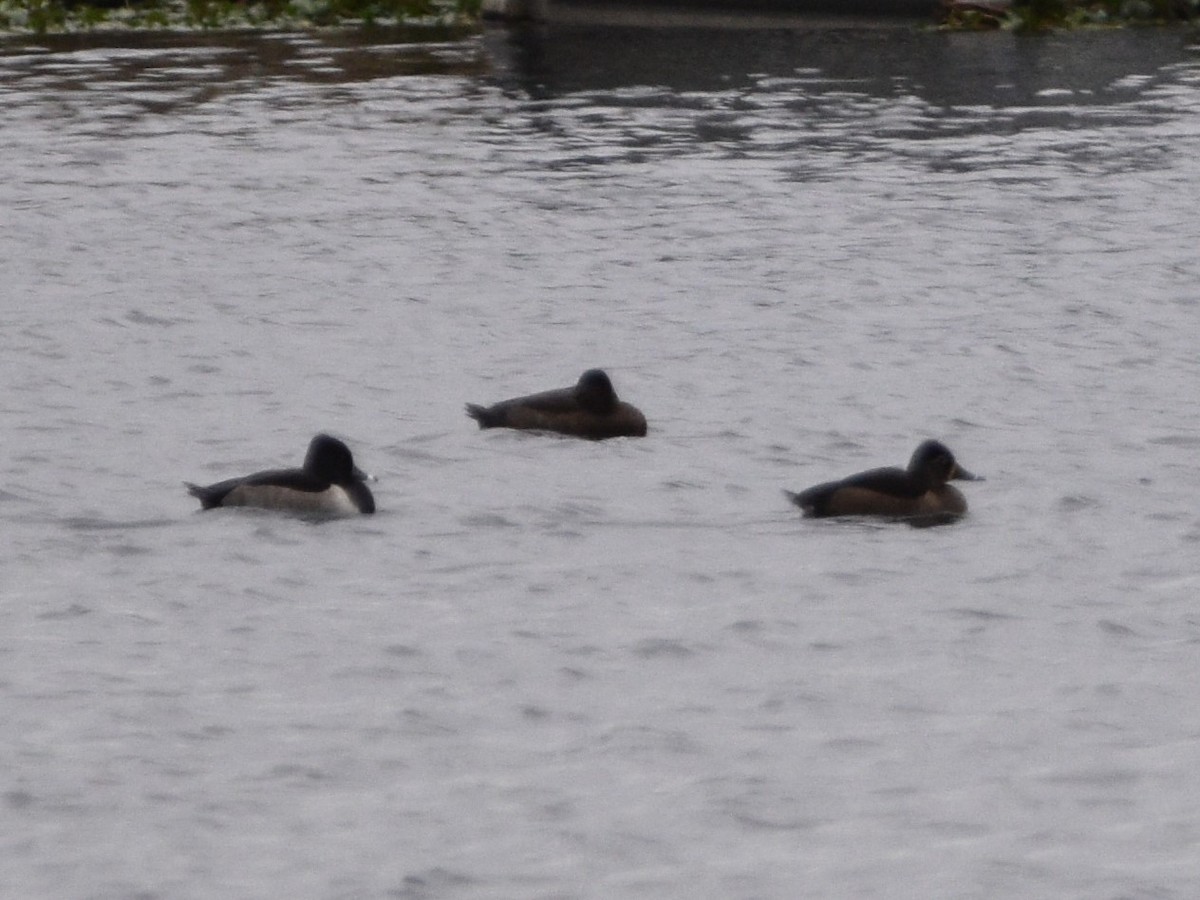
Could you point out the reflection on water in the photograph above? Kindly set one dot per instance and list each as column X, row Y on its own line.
column 176, row 70
column 867, row 89
column 882, row 59
column 839, row 87
column 885, row 58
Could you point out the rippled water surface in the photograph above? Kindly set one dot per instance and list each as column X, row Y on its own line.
column 551, row 668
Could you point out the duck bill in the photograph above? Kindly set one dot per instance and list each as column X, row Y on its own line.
column 363, row 476
column 961, row 474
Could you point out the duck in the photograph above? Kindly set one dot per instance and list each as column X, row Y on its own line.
column 328, row 484
column 919, row 494
column 590, row 409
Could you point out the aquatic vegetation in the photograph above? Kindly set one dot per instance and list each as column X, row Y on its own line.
column 1042, row 15
column 56, row 16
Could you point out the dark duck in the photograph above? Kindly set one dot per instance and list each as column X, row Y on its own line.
column 919, row 493
column 328, row 484
column 589, row 409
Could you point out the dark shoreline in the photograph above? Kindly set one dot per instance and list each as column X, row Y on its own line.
column 46, row 17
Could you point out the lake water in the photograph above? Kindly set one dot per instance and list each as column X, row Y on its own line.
column 557, row 669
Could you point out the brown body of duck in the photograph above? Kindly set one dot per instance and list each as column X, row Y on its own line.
column 590, row 410
column 919, row 494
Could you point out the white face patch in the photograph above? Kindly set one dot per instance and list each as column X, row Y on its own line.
column 333, row 501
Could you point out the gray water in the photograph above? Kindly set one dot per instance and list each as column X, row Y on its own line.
column 556, row 669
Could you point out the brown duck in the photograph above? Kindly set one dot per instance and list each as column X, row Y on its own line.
column 590, row 409
column 919, row 493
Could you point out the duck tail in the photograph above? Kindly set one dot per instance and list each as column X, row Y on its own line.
column 486, row 416
column 806, row 500
column 206, row 495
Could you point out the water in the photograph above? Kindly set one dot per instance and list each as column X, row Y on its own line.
column 551, row 668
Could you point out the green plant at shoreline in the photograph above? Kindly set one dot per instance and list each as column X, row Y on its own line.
column 65, row 16
column 1044, row 15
